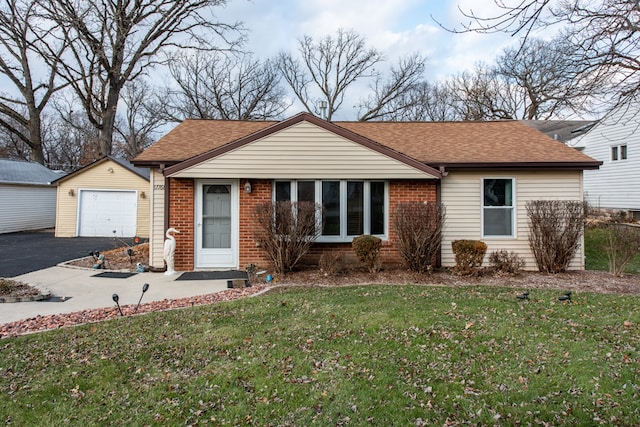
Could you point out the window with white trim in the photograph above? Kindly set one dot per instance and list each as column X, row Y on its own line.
column 498, row 211
column 351, row 207
column 619, row 152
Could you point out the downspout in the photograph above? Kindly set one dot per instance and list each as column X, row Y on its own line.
column 166, row 198
column 443, row 174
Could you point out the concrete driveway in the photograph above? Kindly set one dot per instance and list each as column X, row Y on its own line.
column 24, row 252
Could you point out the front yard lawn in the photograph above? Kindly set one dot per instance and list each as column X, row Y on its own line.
column 366, row 355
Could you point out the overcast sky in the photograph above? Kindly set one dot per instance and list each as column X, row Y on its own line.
column 395, row 27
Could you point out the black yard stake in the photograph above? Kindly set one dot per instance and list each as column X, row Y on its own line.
column 145, row 288
column 115, row 299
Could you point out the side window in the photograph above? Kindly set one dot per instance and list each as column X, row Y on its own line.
column 498, row 207
column 614, row 153
column 623, row 152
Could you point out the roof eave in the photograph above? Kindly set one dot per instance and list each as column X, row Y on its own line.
column 94, row 164
column 586, row 165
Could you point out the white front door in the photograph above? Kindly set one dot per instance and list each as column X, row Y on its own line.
column 217, row 224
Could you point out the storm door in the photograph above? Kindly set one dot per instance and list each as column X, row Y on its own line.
column 216, row 225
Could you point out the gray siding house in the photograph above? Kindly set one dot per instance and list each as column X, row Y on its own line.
column 27, row 197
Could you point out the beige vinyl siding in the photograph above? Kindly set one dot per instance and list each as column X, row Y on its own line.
column 461, row 195
column 98, row 177
column 156, row 243
column 303, row 151
column 26, row 207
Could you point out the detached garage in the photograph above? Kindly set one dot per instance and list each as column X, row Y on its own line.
column 27, row 197
column 107, row 198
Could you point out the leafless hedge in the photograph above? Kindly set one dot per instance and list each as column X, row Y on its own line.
column 286, row 231
column 621, row 245
column 555, row 231
column 419, row 228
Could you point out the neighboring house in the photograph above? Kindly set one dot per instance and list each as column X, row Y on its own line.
column 27, row 198
column 615, row 141
column 108, row 198
column 207, row 177
column 561, row 130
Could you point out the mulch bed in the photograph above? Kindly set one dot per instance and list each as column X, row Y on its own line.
column 55, row 321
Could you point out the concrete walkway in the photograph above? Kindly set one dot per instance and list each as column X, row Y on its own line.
column 76, row 289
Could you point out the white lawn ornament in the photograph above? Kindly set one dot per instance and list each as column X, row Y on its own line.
column 169, row 251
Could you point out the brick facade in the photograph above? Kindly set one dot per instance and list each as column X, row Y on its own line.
column 182, row 217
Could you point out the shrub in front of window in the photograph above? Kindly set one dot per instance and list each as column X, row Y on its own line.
column 419, row 228
column 555, row 231
column 367, row 248
column 622, row 244
column 504, row 262
column 469, row 255
column 286, row 231
column 332, row 264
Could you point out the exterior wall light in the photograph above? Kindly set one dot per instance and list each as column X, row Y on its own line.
column 71, row 192
column 143, row 195
column 247, row 187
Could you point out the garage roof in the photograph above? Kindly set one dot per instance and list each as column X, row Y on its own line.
column 23, row 172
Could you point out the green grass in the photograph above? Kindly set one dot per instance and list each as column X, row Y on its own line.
column 370, row 355
column 596, row 257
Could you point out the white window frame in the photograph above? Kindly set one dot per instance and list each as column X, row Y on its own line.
column 514, row 226
column 366, row 214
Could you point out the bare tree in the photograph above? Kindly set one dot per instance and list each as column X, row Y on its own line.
column 22, row 43
column 13, row 147
column 605, row 34
column 223, row 86
column 327, row 68
column 434, row 102
column 113, row 42
column 72, row 141
column 546, row 75
column 481, row 95
column 136, row 128
column 391, row 97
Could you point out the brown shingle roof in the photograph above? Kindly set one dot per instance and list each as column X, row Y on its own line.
column 434, row 143
column 468, row 142
column 193, row 137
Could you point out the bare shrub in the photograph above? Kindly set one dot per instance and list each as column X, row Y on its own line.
column 332, row 264
column 555, row 229
column 419, row 228
column 367, row 248
column 505, row 262
column 286, row 231
column 621, row 245
column 469, row 255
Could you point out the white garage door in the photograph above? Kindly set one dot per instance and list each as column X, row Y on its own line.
column 103, row 212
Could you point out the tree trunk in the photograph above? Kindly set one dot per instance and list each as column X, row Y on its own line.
column 109, row 120
column 35, row 136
